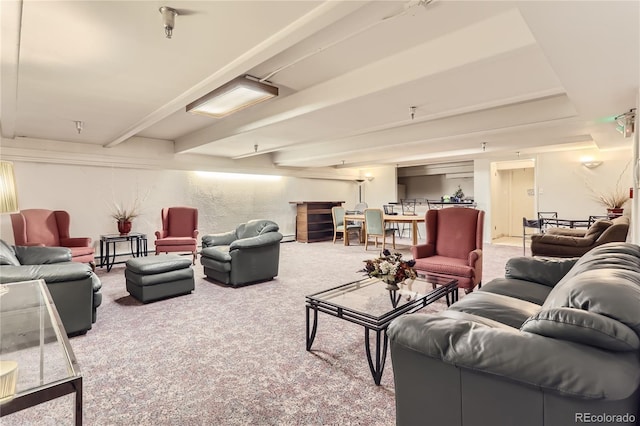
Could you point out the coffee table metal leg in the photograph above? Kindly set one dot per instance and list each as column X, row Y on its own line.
column 311, row 331
column 381, row 353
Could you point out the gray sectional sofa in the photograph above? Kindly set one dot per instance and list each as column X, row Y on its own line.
column 74, row 287
column 556, row 342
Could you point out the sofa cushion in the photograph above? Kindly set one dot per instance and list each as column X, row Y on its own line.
column 504, row 309
column 519, row 289
column 612, row 292
column 597, row 228
column 584, row 327
column 547, row 271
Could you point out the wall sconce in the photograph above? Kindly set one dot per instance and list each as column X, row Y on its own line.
column 8, row 193
column 239, row 93
column 369, row 177
column 590, row 164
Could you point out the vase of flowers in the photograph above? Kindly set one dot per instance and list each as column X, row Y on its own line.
column 390, row 268
column 613, row 199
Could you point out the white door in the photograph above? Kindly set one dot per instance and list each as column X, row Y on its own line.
column 522, row 199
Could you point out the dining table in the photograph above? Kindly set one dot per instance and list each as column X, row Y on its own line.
column 390, row 218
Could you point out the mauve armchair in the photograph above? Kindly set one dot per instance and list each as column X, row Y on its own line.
column 454, row 246
column 179, row 231
column 50, row 228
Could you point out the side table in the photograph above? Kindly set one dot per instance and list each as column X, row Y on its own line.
column 108, row 248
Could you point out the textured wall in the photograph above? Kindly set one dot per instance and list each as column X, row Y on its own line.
column 88, row 193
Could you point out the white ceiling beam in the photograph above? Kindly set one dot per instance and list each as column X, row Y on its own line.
column 321, row 16
column 537, row 112
column 476, row 42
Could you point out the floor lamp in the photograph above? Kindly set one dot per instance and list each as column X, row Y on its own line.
column 8, row 194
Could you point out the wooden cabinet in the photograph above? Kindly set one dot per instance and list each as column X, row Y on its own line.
column 314, row 221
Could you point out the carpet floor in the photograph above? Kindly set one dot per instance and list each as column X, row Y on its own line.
column 234, row 356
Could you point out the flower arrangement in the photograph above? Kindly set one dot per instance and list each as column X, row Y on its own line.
column 390, row 268
column 123, row 214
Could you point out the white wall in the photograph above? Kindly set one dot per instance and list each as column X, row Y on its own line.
column 563, row 182
column 88, row 192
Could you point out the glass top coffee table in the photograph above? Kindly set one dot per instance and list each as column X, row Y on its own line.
column 369, row 303
column 34, row 345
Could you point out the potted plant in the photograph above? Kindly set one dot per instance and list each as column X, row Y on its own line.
column 612, row 199
column 124, row 216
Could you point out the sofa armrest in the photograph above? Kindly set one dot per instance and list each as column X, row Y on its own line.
column 223, row 239
column 547, row 271
column 557, row 366
column 423, row 250
column 42, row 255
column 75, row 242
column 562, row 240
column 270, row 238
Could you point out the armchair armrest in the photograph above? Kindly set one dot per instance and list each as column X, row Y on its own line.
column 423, row 250
column 161, row 234
column 42, row 255
column 474, row 256
column 547, row 271
column 223, row 239
column 75, row 242
column 195, row 233
column 562, row 240
column 555, row 365
column 270, row 238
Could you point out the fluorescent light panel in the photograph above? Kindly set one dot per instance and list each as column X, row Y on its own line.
column 239, row 93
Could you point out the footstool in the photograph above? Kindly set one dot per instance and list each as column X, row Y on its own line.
column 158, row 277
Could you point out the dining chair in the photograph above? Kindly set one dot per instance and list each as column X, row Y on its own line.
column 530, row 224
column 547, row 218
column 375, row 226
column 408, row 209
column 388, row 210
column 337, row 213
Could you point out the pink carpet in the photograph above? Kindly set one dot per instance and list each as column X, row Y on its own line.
column 233, row 356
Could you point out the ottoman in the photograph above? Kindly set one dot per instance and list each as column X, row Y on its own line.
column 158, row 277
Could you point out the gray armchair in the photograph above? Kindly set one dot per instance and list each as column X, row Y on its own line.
column 74, row 288
column 248, row 254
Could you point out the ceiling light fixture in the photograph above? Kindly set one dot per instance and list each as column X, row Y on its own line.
column 168, row 19
column 239, row 93
column 626, row 122
column 484, row 146
column 79, row 126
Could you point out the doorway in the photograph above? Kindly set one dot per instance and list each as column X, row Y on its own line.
column 513, row 197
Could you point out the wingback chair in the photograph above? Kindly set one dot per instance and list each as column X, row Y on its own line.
column 50, row 228
column 454, row 246
column 179, row 231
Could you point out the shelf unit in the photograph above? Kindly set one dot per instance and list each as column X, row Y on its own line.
column 314, row 221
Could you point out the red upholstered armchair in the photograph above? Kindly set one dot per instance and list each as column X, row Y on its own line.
column 50, row 228
column 179, row 231
column 454, row 246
